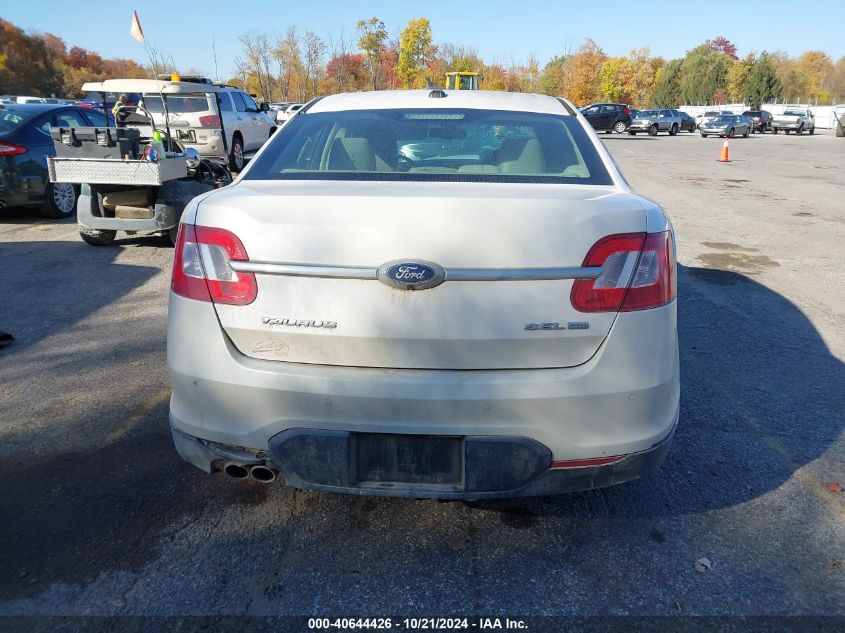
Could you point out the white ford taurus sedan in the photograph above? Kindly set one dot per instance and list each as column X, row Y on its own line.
column 427, row 294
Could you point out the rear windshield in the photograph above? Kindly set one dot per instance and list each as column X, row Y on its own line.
column 176, row 104
column 9, row 119
column 432, row 145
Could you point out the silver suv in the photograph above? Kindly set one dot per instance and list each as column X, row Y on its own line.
column 195, row 123
column 654, row 121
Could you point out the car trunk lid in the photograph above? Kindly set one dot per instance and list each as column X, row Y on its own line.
column 508, row 252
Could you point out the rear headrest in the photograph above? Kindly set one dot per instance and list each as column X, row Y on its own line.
column 521, row 156
column 351, row 154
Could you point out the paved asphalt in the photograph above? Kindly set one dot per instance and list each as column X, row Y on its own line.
column 100, row 517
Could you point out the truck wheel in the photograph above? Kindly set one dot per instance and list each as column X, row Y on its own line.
column 96, row 237
column 236, row 157
column 673, row 130
column 61, row 200
column 619, row 127
column 652, row 131
column 774, row 130
column 800, row 129
column 812, row 130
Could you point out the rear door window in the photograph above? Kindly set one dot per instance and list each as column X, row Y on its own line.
column 225, row 102
column 240, row 104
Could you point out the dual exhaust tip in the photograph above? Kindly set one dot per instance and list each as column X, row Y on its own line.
column 259, row 473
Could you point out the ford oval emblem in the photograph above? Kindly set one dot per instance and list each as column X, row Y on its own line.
column 411, row 274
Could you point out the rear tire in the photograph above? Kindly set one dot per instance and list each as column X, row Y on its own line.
column 774, row 130
column 747, row 133
column 652, row 131
column 812, row 130
column 61, row 200
column 236, row 157
column 673, row 130
column 619, row 127
column 632, row 133
column 730, row 133
column 96, row 237
column 703, row 135
column 800, row 130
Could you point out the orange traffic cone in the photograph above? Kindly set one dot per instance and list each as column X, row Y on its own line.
column 723, row 157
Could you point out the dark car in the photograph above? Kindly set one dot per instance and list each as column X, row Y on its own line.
column 94, row 100
column 687, row 122
column 25, row 144
column 762, row 120
column 608, row 117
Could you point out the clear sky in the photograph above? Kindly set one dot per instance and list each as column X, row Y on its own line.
column 499, row 31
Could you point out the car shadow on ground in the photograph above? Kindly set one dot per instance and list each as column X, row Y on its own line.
column 48, row 286
column 761, row 397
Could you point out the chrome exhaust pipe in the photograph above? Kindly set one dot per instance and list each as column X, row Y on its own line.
column 262, row 474
column 236, row 471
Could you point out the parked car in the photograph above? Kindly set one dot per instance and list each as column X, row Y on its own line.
column 688, row 123
column 710, row 115
column 196, row 123
column 762, row 120
column 796, row 119
column 25, row 143
column 727, row 125
column 654, row 121
column 94, row 100
column 283, row 114
column 608, row 117
column 495, row 320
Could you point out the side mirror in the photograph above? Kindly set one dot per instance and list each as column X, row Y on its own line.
column 265, row 107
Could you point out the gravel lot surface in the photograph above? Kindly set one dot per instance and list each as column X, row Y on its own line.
column 101, row 517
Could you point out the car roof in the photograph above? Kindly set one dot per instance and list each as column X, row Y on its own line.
column 36, row 107
column 153, row 85
column 420, row 99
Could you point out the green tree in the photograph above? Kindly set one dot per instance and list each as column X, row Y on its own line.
column 762, row 84
column 704, row 72
column 416, row 50
column 667, row 85
column 554, row 79
column 373, row 34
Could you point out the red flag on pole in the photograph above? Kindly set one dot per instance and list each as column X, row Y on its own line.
column 136, row 31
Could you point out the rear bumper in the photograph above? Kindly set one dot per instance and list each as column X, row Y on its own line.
column 623, row 401
column 494, row 466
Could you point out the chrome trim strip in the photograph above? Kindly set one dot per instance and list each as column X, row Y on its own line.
column 306, row 270
column 520, row 274
column 454, row 274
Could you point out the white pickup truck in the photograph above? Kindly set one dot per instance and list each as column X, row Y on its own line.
column 796, row 120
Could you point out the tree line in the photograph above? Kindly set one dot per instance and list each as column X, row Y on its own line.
column 294, row 66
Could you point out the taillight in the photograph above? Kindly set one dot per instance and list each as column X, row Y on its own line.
column 626, row 111
column 210, row 120
column 638, row 272
column 201, row 268
column 12, row 149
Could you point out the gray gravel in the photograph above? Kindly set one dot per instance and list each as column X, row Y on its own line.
column 100, row 516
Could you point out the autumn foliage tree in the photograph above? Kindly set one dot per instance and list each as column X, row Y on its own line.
column 416, row 50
